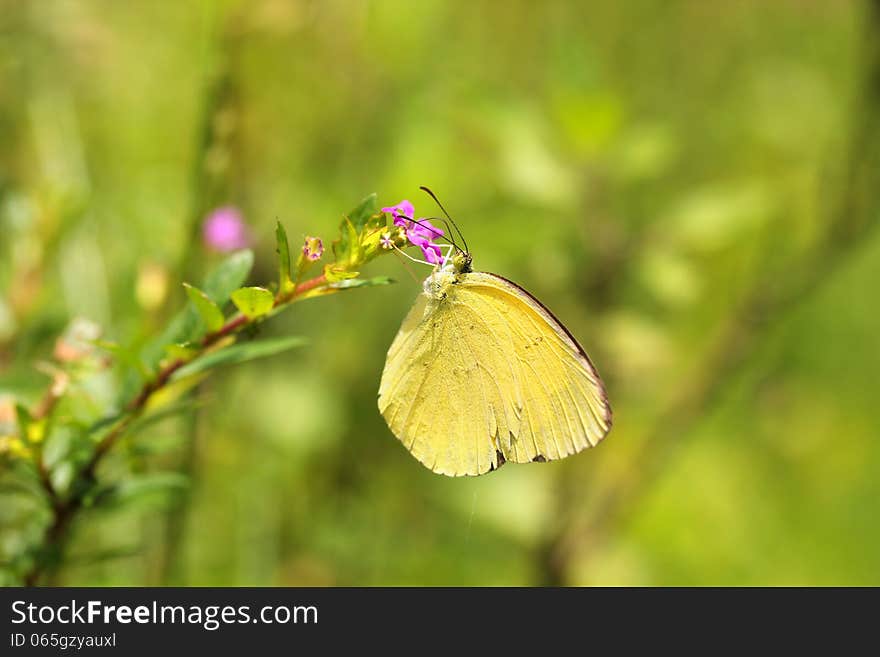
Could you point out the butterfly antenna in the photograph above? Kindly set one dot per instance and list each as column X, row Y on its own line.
column 405, row 264
column 449, row 235
column 440, row 205
column 420, row 222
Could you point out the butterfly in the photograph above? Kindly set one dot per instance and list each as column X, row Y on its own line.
column 482, row 373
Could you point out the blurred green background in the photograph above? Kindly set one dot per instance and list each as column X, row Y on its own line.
column 688, row 185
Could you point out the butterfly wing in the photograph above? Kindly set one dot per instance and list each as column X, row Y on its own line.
column 487, row 375
column 438, row 395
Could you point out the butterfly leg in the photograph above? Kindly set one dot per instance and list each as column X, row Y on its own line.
column 450, row 247
column 447, row 255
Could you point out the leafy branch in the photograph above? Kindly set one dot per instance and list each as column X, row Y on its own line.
column 194, row 343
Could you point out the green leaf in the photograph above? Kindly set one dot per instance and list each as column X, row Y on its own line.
column 334, row 273
column 238, row 353
column 173, row 391
column 355, row 251
column 282, row 248
column 365, row 215
column 183, row 351
column 162, row 413
column 21, row 485
column 365, row 211
column 184, row 326
column 348, row 284
column 104, row 423
column 207, row 309
column 361, row 282
column 345, row 248
column 25, row 419
column 124, row 356
column 228, row 276
column 139, row 488
column 253, row 302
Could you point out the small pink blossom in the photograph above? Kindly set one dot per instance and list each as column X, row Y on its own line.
column 224, row 230
column 313, row 248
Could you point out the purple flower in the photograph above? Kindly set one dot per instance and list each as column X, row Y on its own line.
column 224, row 230
column 313, row 248
column 424, row 229
column 420, row 233
column 432, row 253
column 401, row 210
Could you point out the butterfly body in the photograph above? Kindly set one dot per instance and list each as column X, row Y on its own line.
column 481, row 373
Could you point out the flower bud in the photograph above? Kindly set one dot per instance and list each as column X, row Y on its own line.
column 313, row 248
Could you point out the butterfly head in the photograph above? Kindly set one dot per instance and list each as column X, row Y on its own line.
column 437, row 285
column 461, row 262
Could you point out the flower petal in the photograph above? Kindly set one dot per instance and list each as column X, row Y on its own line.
column 432, row 253
column 402, row 210
column 426, row 229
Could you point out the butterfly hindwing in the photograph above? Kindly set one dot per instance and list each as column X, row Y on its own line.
column 484, row 374
column 437, row 399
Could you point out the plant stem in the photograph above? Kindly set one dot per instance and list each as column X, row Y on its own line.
column 64, row 510
column 220, row 132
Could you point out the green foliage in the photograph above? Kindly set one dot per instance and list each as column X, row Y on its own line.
column 282, row 249
column 366, row 214
column 182, row 351
column 362, row 282
column 127, row 357
column 362, row 220
column 186, row 325
column 25, row 420
column 238, row 353
column 335, row 273
column 68, row 477
column 253, row 302
column 142, row 490
column 205, row 307
column 183, row 327
column 228, row 276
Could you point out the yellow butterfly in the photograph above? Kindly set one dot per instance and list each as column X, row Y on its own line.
column 482, row 373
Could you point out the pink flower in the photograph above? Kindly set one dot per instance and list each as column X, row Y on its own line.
column 402, row 210
column 224, row 230
column 432, row 253
column 420, row 233
column 313, row 248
